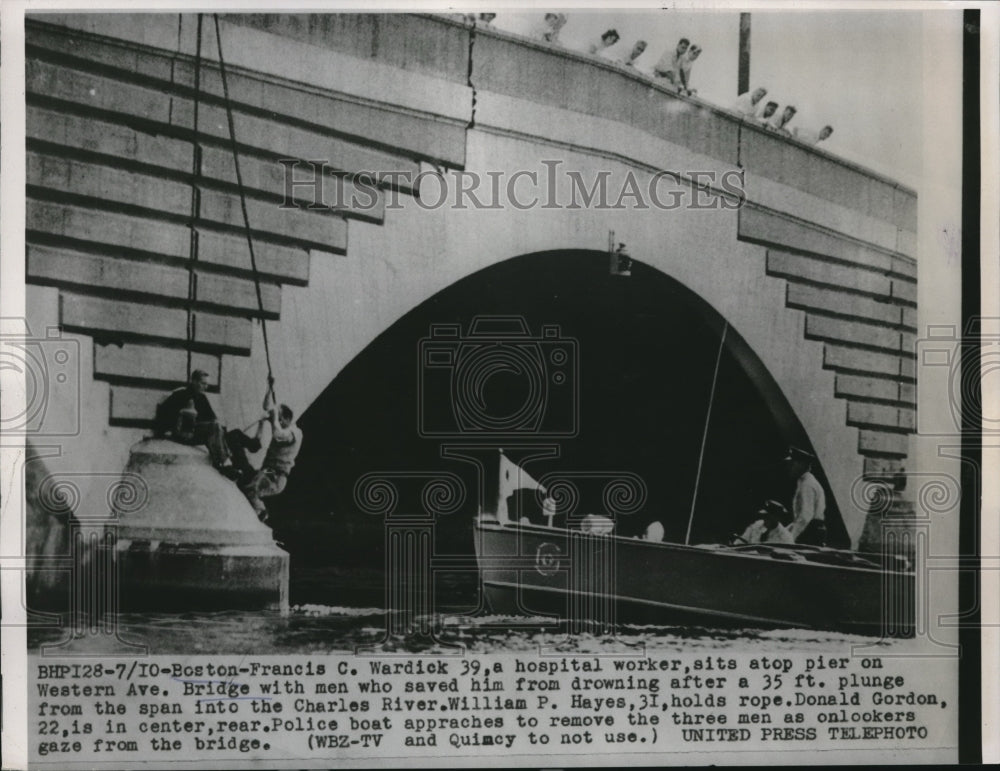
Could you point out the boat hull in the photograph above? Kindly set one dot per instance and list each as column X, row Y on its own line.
column 608, row 580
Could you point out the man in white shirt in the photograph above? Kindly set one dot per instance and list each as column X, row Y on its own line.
column 282, row 449
column 606, row 40
column 748, row 102
column 765, row 115
column 684, row 70
column 669, row 65
column 808, row 501
column 811, row 137
column 779, row 121
column 548, row 29
column 628, row 59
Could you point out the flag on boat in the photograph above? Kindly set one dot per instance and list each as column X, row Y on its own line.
column 512, row 478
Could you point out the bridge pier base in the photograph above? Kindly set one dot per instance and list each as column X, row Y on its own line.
column 188, row 539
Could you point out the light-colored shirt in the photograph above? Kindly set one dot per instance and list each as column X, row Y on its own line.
column 774, row 122
column 549, row 30
column 808, row 503
column 668, row 63
column 744, row 104
column 808, row 136
column 283, row 449
column 618, row 54
column 758, row 533
column 684, row 71
column 654, row 532
column 597, row 523
column 599, row 46
column 613, row 54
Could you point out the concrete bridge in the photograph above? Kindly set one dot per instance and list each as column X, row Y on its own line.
column 815, row 274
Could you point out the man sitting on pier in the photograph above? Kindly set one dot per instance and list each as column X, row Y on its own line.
column 286, row 441
column 186, row 416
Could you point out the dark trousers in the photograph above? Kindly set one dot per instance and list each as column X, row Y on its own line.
column 239, row 445
column 814, row 534
column 212, row 435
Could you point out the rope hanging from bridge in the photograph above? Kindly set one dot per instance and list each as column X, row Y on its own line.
column 234, row 145
column 704, row 436
column 243, row 201
column 195, row 206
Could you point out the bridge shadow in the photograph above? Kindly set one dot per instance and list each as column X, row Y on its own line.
column 646, row 349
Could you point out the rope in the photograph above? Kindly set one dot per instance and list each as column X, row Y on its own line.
column 195, row 208
column 243, row 201
column 704, row 436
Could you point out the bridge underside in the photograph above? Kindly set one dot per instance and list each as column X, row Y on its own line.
column 646, row 374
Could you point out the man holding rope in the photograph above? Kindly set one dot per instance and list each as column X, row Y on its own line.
column 282, row 449
column 186, row 414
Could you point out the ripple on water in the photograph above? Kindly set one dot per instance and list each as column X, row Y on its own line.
column 314, row 628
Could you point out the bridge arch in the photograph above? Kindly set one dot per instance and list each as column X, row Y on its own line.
column 647, row 347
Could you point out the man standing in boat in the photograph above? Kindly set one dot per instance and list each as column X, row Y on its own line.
column 808, row 501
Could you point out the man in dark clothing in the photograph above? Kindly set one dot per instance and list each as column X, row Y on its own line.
column 240, row 443
column 186, row 416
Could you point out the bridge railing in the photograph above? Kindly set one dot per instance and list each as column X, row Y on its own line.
column 518, row 66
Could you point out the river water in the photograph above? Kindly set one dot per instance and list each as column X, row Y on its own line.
column 321, row 629
column 338, row 611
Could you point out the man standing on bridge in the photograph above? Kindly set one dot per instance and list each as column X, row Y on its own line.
column 749, row 102
column 779, row 122
column 684, row 71
column 669, row 65
column 606, row 41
